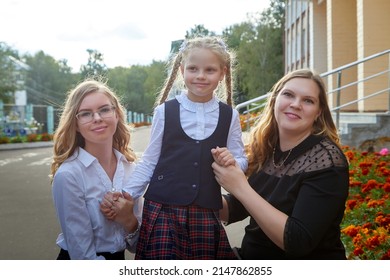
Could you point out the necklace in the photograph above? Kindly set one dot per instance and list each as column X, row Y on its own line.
column 279, row 165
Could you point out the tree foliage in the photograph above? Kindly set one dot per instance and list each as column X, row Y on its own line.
column 95, row 65
column 48, row 80
column 8, row 83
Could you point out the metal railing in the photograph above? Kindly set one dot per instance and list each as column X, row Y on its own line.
column 256, row 104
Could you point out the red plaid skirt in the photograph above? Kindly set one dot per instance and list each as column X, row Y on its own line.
column 181, row 233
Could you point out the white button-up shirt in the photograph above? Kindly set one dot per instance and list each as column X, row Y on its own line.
column 78, row 188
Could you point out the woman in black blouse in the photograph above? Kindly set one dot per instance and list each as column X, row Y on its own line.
column 297, row 182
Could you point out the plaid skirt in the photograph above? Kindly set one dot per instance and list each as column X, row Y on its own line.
column 181, row 233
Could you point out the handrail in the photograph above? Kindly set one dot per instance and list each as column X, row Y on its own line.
column 349, row 65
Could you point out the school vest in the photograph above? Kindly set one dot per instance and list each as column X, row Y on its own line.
column 183, row 174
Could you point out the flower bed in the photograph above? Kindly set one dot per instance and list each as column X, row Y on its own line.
column 366, row 224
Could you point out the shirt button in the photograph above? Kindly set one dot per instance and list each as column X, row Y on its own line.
column 196, row 164
column 194, row 186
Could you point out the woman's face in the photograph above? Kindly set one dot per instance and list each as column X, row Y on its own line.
column 202, row 72
column 297, row 106
column 101, row 127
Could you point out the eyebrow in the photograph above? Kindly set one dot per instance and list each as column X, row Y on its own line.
column 107, row 105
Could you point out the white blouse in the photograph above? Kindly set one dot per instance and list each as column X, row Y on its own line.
column 79, row 186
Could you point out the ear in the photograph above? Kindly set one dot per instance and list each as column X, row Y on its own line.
column 224, row 70
column 319, row 114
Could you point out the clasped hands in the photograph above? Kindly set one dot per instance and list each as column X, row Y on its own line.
column 117, row 206
column 227, row 172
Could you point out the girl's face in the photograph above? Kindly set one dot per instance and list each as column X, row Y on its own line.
column 297, row 106
column 101, row 127
column 202, row 72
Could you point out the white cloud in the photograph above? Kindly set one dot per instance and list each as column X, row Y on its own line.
column 126, row 32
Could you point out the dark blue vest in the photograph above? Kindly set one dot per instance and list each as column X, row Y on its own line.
column 183, row 174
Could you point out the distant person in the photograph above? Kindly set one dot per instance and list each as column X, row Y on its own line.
column 92, row 157
column 298, row 177
column 182, row 201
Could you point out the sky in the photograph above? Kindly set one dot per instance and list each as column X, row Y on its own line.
column 126, row 32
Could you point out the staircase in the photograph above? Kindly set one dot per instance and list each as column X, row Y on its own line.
column 369, row 131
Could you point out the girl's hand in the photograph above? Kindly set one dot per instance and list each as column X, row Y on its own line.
column 223, row 156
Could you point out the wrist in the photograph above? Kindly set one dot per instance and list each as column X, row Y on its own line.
column 131, row 235
column 132, row 225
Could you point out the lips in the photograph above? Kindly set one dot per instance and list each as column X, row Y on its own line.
column 292, row 115
column 99, row 128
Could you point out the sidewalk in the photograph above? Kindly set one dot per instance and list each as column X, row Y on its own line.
column 30, row 145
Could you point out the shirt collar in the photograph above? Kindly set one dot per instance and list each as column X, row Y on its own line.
column 189, row 105
column 87, row 159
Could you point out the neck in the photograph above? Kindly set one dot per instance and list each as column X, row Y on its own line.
column 103, row 153
column 289, row 141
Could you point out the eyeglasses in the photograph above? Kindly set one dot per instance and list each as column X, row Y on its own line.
column 88, row 116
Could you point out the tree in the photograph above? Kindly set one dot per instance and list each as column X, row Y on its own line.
column 95, row 65
column 48, row 80
column 199, row 30
column 259, row 48
column 8, row 83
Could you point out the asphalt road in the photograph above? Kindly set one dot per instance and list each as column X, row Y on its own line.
column 28, row 221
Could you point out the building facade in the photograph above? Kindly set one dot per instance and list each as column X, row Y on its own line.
column 329, row 34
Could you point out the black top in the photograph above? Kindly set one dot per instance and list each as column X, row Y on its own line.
column 311, row 188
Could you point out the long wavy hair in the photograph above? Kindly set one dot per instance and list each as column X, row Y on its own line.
column 264, row 135
column 66, row 137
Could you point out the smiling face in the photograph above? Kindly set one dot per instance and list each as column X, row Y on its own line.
column 100, row 130
column 202, row 72
column 297, row 106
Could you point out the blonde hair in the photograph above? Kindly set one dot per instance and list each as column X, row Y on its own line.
column 219, row 48
column 66, row 137
column 264, row 135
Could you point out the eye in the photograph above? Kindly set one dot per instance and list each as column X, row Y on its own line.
column 191, row 68
column 310, row 101
column 84, row 114
column 105, row 109
column 287, row 93
column 211, row 70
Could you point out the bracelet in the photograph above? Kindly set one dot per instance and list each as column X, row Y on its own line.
column 132, row 234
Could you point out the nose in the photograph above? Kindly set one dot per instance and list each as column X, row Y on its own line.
column 96, row 116
column 296, row 103
column 200, row 74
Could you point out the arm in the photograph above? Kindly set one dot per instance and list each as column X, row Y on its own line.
column 235, row 143
column 323, row 192
column 271, row 220
column 73, row 215
column 140, row 178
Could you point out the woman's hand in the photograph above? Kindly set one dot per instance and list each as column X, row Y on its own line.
column 231, row 177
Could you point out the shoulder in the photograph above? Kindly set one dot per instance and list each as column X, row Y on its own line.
column 333, row 152
column 321, row 154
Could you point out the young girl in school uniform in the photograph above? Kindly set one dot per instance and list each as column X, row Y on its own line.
column 182, row 201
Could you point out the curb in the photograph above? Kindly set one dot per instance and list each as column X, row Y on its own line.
column 42, row 144
column 30, row 145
